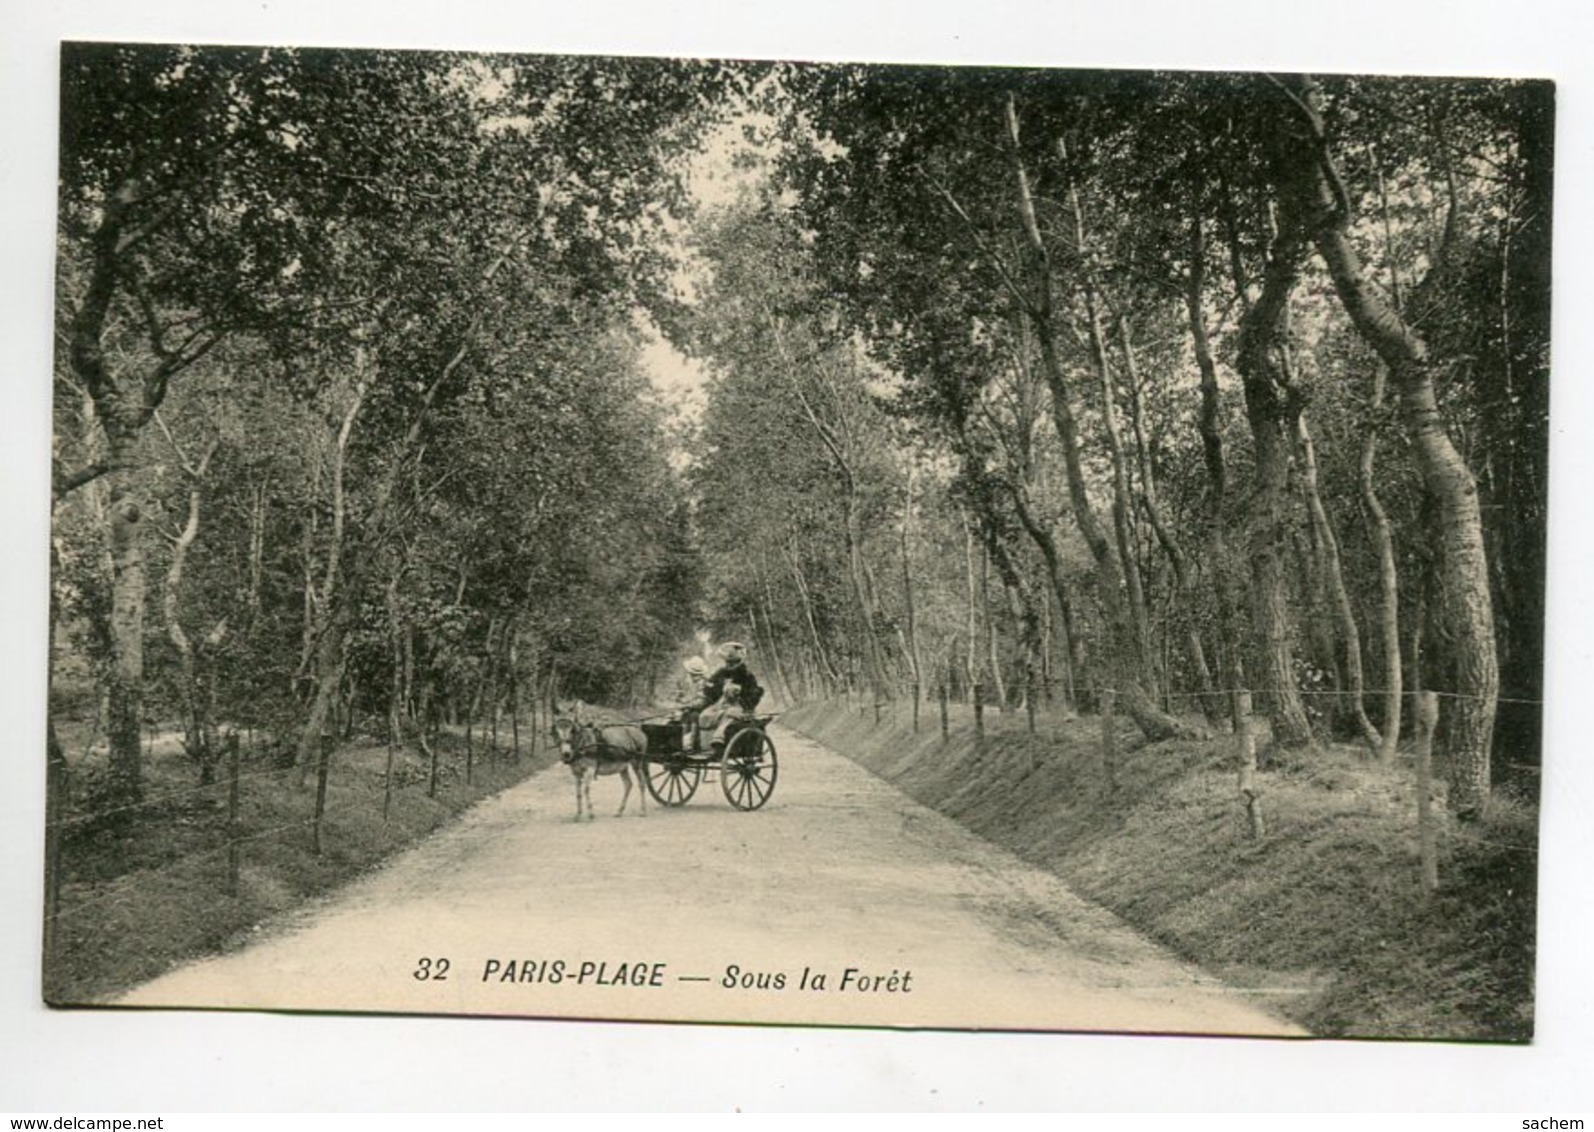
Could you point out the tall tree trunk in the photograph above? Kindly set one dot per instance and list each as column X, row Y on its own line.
column 863, row 592
column 912, row 643
column 1463, row 612
column 1167, row 538
column 988, row 635
column 1122, row 504
column 1046, row 541
column 1122, row 496
column 1334, row 577
column 257, row 551
column 1270, row 407
column 1127, row 667
column 971, row 666
column 1383, row 540
column 1210, row 425
column 1022, row 603
column 125, row 685
column 828, row 669
column 56, row 783
column 124, row 401
column 196, row 716
column 332, row 599
column 788, row 693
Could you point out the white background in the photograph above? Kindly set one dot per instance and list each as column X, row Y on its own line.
column 130, row 1062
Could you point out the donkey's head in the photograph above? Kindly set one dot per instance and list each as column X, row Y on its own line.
column 566, row 730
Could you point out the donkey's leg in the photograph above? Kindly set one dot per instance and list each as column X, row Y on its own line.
column 640, row 769
column 575, row 773
column 592, row 772
column 625, row 780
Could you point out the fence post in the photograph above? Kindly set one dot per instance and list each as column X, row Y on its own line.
column 915, row 707
column 1029, row 700
column 979, row 714
column 1109, row 740
column 1427, row 853
column 233, row 863
column 321, row 786
column 941, row 695
column 877, row 707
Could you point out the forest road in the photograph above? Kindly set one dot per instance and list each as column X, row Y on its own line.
column 841, row 902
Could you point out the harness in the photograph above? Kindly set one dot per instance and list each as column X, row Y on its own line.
column 589, row 737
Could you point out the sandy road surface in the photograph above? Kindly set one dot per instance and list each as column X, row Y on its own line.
column 840, row 879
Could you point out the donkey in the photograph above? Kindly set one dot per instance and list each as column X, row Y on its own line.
column 590, row 750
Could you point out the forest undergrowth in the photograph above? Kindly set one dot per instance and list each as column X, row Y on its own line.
column 147, row 887
column 1322, row 919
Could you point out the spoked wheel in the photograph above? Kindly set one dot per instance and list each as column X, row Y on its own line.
column 748, row 772
column 674, row 781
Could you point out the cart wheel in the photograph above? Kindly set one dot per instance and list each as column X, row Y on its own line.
column 748, row 772
column 672, row 783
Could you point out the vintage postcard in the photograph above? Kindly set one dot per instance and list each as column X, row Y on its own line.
column 846, row 545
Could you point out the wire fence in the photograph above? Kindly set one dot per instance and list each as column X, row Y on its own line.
column 237, row 789
column 1017, row 693
column 1236, row 707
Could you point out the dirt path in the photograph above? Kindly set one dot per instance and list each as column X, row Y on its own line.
column 839, row 877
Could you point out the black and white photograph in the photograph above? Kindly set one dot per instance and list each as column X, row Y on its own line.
column 797, row 545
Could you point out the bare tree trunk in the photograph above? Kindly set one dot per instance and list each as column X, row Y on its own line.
column 788, row 693
column 971, row 667
column 331, row 598
column 1022, row 602
column 1122, row 498
column 1166, row 537
column 514, row 690
column 862, row 592
column 1389, row 585
column 912, row 645
column 257, row 550
column 197, row 738
column 56, row 783
column 123, row 401
column 830, row 673
column 1231, row 663
column 1270, row 405
column 1046, row 541
column 125, row 684
column 1334, row 576
column 1464, row 613
column 993, row 663
column 1380, row 531
column 1127, row 669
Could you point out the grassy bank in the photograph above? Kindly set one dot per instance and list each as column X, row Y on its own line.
column 150, row 886
column 1323, row 917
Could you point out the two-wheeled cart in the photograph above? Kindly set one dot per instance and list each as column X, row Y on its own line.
column 746, row 768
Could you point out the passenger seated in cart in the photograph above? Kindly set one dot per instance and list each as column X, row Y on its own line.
column 731, row 693
column 689, row 699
